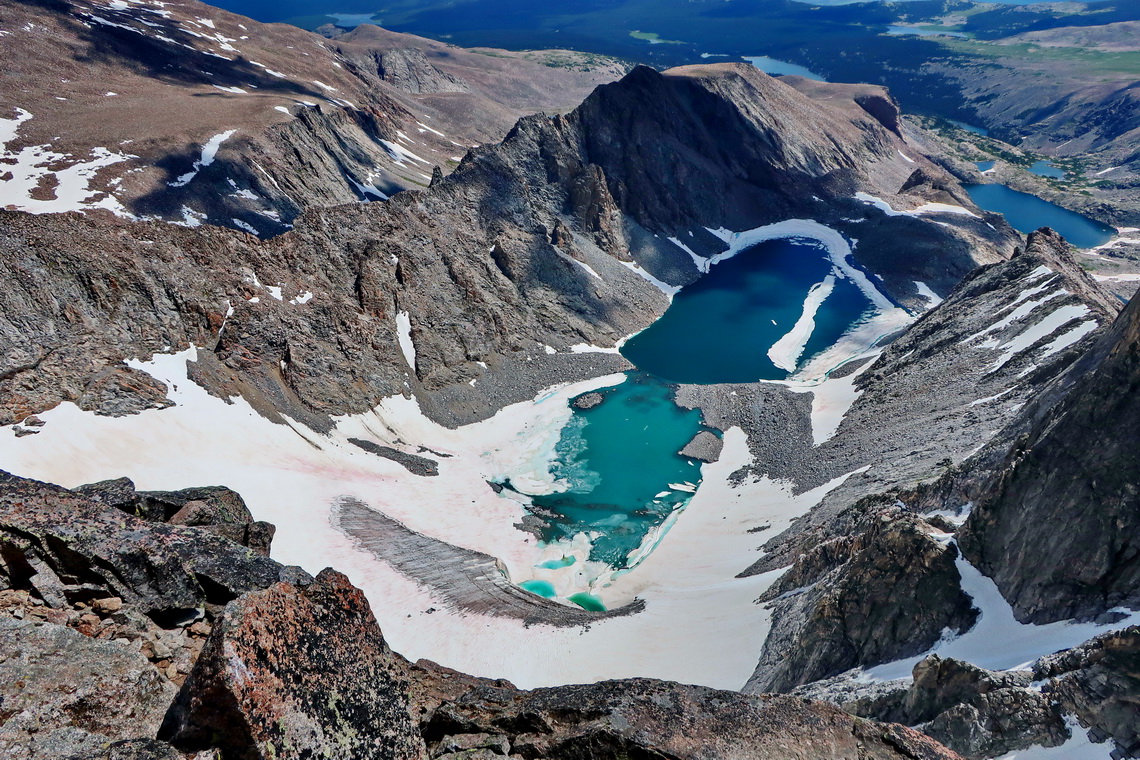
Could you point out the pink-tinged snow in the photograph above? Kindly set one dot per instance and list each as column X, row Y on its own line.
column 404, row 335
column 31, row 165
column 998, row 641
column 700, row 623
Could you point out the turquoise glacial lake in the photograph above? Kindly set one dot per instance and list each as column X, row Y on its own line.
column 1026, row 213
column 621, row 459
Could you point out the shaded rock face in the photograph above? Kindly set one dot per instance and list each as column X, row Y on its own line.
column 1099, row 682
column 297, row 672
column 652, row 719
column 1068, row 488
column 409, row 70
column 884, row 591
column 65, row 548
column 217, row 509
column 63, row 694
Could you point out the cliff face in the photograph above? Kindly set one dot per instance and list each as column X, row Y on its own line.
column 1068, row 489
column 525, row 245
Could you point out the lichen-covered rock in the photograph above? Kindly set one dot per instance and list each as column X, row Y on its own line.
column 120, row 391
column 63, row 694
column 292, row 673
column 68, row 548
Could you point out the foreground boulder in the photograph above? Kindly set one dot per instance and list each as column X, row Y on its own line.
column 63, row 694
column 297, row 672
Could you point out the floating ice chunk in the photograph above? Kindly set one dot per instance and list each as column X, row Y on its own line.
column 786, row 352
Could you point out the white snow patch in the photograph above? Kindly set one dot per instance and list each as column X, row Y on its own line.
column 924, row 290
column 998, row 641
column 209, row 153
column 583, row 265
column 699, row 261
column 1078, row 747
column 1047, row 326
column 244, row 226
column 906, row 158
column 926, row 208
column 283, row 110
column 302, row 298
column 30, row 166
column 785, row 353
column 399, row 153
column 233, row 90
column 1103, row 172
column 664, row 287
column 430, row 129
column 404, row 334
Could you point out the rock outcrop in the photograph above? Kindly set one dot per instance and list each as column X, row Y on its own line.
column 64, row 695
column 296, row 667
column 297, row 672
column 883, row 590
column 1068, row 488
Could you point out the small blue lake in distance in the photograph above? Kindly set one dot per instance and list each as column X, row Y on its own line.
column 970, row 127
column 776, row 67
column 1026, row 213
column 720, row 328
column 1046, row 169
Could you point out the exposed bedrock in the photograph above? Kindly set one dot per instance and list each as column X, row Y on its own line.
column 296, row 667
column 882, row 590
column 1068, row 488
column 983, row 713
column 524, row 245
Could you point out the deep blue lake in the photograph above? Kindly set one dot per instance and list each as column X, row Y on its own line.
column 1046, row 169
column 720, row 328
column 1026, row 213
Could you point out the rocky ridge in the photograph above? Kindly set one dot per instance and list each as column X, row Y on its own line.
column 292, row 666
column 203, row 116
